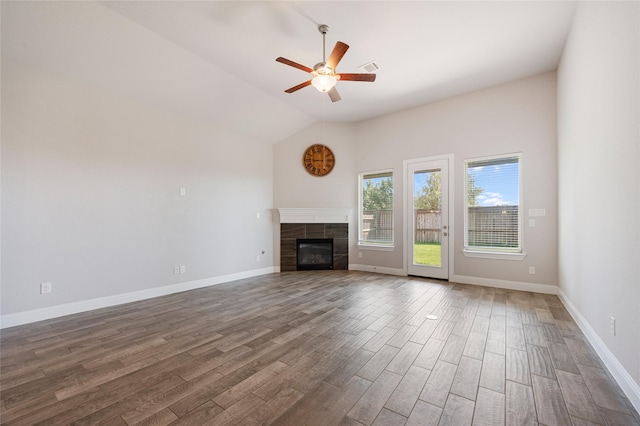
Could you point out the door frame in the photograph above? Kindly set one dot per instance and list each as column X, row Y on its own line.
column 405, row 209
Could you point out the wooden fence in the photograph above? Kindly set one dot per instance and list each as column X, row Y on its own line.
column 488, row 226
column 428, row 226
column 495, row 226
column 378, row 225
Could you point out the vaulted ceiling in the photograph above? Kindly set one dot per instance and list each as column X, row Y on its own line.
column 215, row 60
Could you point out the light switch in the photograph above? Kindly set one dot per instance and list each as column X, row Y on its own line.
column 183, row 191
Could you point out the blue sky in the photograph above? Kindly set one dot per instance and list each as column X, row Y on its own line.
column 499, row 182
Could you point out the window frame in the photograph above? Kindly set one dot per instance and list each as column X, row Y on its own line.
column 371, row 245
column 517, row 253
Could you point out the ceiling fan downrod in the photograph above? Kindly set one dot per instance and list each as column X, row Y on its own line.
column 324, row 29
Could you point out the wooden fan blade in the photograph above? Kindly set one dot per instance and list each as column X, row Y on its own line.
column 293, row 64
column 334, row 95
column 358, row 77
column 298, row 87
column 336, row 55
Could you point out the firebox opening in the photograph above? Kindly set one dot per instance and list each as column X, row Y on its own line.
column 314, row 254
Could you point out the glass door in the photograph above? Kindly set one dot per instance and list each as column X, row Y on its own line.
column 427, row 219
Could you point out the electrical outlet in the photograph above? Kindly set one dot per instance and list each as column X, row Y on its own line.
column 532, row 270
column 176, row 270
column 360, row 254
column 183, row 269
column 258, row 258
column 613, row 325
column 45, row 288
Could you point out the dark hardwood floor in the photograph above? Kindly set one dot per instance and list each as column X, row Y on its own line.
column 312, row 348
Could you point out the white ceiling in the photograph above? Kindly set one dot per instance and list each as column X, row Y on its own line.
column 216, row 60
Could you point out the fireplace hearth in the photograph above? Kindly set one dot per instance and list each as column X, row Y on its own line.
column 314, row 254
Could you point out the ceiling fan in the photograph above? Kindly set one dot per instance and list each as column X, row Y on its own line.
column 324, row 76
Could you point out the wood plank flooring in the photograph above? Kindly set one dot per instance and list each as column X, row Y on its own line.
column 312, row 348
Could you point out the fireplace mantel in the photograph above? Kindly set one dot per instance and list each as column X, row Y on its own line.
column 314, row 215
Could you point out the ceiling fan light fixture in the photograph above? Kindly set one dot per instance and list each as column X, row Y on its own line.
column 323, row 77
column 324, row 82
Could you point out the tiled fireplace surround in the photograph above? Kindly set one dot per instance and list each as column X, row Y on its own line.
column 314, row 223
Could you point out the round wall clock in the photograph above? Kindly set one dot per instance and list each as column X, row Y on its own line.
column 318, row 160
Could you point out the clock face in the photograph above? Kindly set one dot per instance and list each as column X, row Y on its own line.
column 318, row 160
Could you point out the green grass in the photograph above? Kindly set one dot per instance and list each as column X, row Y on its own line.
column 427, row 254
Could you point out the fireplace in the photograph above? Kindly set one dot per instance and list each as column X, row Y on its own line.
column 314, row 254
column 298, row 224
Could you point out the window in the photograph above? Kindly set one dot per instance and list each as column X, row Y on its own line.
column 375, row 214
column 493, row 219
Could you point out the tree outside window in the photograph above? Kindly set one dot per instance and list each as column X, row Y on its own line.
column 376, row 211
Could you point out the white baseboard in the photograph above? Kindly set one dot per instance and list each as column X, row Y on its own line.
column 622, row 376
column 26, row 317
column 463, row 279
column 377, row 269
column 507, row 285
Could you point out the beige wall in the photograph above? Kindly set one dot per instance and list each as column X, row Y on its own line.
column 295, row 188
column 599, row 182
column 515, row 117
column 90, row 194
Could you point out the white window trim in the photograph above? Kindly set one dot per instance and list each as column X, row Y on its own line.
column 494, row 255
column 482, row 252
column 365, row 245
column 376, row 247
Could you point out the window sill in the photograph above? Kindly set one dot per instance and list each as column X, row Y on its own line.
column 376, row 247
column 494, row 255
